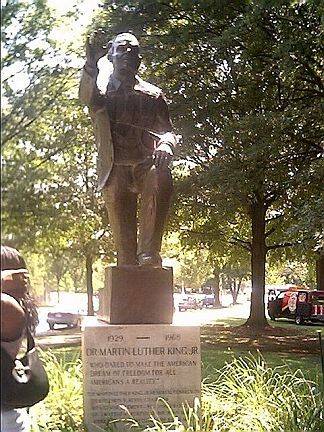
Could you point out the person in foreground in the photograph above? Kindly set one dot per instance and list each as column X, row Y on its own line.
column 17, row 309
column 135, row 142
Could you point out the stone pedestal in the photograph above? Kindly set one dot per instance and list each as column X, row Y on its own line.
column 137, row 295
column 133, row 366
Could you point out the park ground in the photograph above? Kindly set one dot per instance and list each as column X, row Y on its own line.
column 222, row 336
column 283, row 347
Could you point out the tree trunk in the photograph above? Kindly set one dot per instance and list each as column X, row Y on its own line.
column 238, row 286
column 58, row 289
column 234, row 291
column 216, row 290
column 320, row 272
column 89, row 261
column 257, row 318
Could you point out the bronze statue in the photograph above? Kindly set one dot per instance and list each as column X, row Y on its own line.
column 135, row 143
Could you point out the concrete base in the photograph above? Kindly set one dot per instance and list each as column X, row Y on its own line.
column 133, row 366
column 137, row 295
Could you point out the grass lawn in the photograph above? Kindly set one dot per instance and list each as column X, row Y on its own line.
column 283, row 344
column 286, row 345
column 215, row 359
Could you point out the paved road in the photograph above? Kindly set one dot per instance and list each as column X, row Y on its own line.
column 190, row 317
column 42, row 326
column 62, row 336
column 211, row 315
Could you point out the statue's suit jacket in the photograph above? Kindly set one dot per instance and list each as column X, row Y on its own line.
column 94, row 97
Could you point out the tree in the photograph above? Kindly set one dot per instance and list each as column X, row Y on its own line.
column 29, row 57
column 49, row 184
column 246, row 98
column 234, row 275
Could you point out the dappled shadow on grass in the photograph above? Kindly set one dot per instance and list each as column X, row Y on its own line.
column 226, row 334
column 228, row 322
column 270, row 339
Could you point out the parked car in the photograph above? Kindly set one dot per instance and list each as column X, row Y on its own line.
column 298, row 304
column 63, row 316
column 189, row 303
column 208, row 300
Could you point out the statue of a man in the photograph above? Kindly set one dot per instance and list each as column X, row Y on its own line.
column 135, row 143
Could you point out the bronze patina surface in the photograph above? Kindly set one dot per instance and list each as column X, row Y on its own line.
column 135, row 142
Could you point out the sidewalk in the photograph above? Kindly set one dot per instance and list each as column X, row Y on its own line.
column 59, row 338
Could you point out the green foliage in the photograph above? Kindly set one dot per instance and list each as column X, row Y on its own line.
column 190, row 267
column 253, row 397
column 50, row 202
column 30, row 65
column 246, row 91
column 62, row 408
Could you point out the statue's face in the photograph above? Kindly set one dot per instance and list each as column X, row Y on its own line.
column 125, row 55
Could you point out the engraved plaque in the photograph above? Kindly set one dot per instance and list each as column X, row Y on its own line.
column 133, row 366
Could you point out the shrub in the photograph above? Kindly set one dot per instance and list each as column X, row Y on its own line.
column 62, row 410
column 248, row 396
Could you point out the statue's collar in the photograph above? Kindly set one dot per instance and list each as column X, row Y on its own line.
column 114, row 83
column 110, row 83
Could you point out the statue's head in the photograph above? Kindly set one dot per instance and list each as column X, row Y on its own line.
column 124, row 54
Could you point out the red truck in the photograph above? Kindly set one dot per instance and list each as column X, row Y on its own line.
column 301, row 305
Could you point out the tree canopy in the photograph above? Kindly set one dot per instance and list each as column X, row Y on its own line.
column 245, row 89
column 50, row 202
column 245, row 83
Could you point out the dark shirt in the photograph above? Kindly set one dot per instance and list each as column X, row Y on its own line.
column 133, row 113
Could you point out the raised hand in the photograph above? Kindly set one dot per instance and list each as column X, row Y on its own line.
column 163, row 156
column 96, row 46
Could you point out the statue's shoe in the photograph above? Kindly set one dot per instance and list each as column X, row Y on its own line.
column 153, row 260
